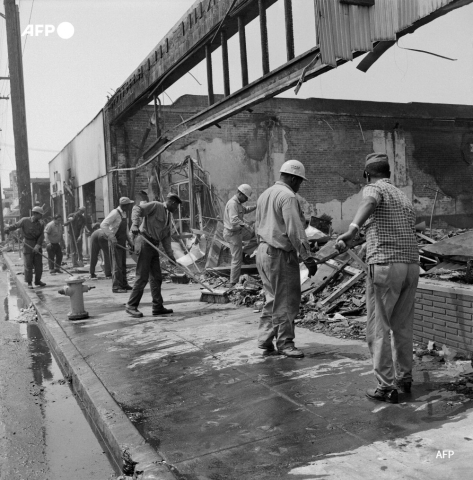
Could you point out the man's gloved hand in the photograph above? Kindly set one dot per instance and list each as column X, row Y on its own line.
column 112, row 240
column 36, row 248
column 135, row 230
column 131, row 247
column 48, row 245
column 172, row 258
column 311, row 265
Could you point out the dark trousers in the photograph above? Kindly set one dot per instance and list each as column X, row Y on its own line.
column 33, row 260
column 99, row 242
column 118, row 256
column 147, row 267
column 54, row 256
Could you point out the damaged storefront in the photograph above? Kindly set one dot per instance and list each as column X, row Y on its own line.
column 78, row 175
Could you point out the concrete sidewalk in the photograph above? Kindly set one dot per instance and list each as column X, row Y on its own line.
column 189, row 395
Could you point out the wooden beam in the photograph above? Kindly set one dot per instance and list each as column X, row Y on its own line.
column 342, row 289
column 264, row 36
column 210, row 80
column 289, row 29
column 226, row 71
column 243, row 53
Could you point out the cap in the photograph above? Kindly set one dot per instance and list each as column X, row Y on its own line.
column 174, row 196
column 377, row 157
column 245, row 189
column 293, row 167
column 125, row 201
column 143, row 192
column 38, row 210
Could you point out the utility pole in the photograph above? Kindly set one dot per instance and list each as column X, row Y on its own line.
column 17, row 90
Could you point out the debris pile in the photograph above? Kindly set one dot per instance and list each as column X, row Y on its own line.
column 27, row 315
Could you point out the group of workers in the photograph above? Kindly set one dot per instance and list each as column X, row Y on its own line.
column 385, row 214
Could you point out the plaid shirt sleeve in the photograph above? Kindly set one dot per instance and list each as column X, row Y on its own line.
column 373, row 191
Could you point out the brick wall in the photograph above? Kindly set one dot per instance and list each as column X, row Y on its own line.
column 444, row 314
column 330, row 137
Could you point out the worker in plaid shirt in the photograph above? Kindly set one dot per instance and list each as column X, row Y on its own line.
column 393, row 272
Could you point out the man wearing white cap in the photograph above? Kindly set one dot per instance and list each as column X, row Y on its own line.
column 236, row 230
column 280, row 230
column 33, row 233
column 115, row 227
column 393, row 272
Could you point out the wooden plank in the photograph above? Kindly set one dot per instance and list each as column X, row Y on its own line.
column 425, row 237
column 358, row 260
column 320, row 286
column 335, row 265
column 342, row 289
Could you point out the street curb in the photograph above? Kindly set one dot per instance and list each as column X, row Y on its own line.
column 105, row 417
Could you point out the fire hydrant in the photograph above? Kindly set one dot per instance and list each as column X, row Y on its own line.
column 75, row 290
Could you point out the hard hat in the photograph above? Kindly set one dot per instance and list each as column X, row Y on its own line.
column 245, row 189
column 38, row 210
column 293, row 167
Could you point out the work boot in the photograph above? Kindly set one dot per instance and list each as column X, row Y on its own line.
column 92, row 275
column 403, row 387
column 134, row 312
column 388, row 396
column 29, row 285
column 119, row 290
column 162, row 311
column 269, row 351
column 128, row 287
column 40, row 284
column 291, row 352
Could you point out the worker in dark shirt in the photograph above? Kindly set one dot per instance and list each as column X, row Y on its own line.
column 33, row 233
column 76, row 223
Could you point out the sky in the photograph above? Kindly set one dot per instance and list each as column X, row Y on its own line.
column 67, row 81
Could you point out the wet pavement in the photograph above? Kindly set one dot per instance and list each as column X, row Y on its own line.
column 71, row 450
column 201, row 395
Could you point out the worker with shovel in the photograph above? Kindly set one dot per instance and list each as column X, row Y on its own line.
column 33, row 233
column 236, row 230
column 53, row 236
column 115, row 227
column 282, row 239
column 156, row 228
column 76, row 223
column 392, row 256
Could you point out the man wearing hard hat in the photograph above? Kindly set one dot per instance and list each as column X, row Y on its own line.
column 33, row 233
column 236, row 229
column 282, row 240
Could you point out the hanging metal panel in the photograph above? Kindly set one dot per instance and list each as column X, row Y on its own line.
column 384, row 20
column 408, row 12
column 342, row 44
column 360, row 29
column 325, row 26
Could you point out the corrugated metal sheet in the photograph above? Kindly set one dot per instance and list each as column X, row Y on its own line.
column 360, row 29
column 343, row 29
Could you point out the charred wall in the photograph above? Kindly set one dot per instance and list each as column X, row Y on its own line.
column 430, row 148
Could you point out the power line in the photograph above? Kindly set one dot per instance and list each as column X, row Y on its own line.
column 29, row 20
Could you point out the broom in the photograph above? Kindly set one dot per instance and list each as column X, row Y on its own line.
column 212, row 296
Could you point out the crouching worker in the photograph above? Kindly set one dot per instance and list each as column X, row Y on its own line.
column 156, row 228
column 99, row 243
column 33, row 233
column 115, row 227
